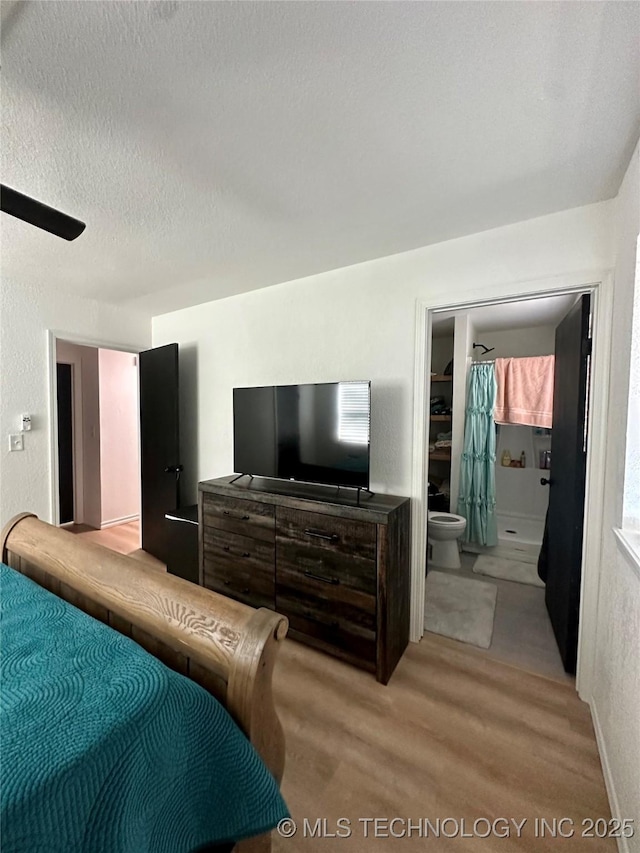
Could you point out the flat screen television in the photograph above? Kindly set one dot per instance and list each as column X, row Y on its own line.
column 311, row 433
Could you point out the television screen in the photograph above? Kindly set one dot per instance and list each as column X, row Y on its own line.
column 312, row 433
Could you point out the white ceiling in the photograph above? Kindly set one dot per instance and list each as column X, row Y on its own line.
column 217, row 147
column 523, row 314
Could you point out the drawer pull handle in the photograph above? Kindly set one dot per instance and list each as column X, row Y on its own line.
column 332, row 581
column 246, row 554
column 245, row 591
column 318, row 534
column 226, row 583
column 225, row 547
column 238, row 517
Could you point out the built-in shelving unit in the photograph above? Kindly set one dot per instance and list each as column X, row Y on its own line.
column 441, row 377
column 442, row 455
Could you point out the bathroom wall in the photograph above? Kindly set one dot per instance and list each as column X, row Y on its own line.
column 518, row 343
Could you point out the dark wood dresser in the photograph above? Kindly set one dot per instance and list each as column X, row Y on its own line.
column 339, row 569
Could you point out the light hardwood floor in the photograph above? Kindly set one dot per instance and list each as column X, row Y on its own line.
column 454, row 735
column 123, row 538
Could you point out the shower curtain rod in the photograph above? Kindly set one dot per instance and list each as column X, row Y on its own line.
column 487, row 361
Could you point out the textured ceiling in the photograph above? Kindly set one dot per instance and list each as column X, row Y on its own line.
column 214, row 148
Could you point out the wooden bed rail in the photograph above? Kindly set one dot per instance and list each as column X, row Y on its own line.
column 225, row 646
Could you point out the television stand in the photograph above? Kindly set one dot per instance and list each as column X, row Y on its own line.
column 339, row 569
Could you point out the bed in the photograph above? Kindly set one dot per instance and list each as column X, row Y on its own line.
column 175, row 756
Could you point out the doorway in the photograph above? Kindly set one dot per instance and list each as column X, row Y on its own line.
column 97, row 444
column 599, row 289
column 66, row 461
column 494, row 596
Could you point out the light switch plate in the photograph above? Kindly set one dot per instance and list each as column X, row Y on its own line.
column 16, row 442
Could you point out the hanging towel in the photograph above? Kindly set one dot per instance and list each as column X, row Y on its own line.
column 525, row 391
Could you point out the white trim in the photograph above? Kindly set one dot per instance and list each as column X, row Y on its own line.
column 602, row 307
column 600, row 284
column 629, row 546
column 115, row 521
column 623, row 843
column 54, row 335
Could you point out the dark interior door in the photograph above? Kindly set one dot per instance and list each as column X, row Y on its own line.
column 65, row 442
column 159, row 445
column 567, row 478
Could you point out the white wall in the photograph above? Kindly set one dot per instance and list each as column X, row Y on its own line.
column 26, row 313
column 616, row 680
column 359, row 322
column 119, row 437
column 463, row 353
column 86, row 400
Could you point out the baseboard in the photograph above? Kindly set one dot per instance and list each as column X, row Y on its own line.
column 115, row 521
column 623, row 845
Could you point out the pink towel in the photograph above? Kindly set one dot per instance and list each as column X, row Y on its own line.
column 525, row 391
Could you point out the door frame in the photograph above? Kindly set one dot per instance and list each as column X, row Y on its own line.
column 600, row 285
column 53, row 336
column 77, row 458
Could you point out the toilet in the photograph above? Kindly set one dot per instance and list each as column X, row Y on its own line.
column 443, row 531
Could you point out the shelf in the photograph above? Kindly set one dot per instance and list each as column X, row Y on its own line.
column 440, row 454
column 440, row 377
column 440, row 417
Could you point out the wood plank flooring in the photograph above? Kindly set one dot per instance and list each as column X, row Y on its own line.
column 123, row 538
column 454, row 735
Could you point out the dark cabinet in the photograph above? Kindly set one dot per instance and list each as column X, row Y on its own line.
column 338, row 569
column 182, row 542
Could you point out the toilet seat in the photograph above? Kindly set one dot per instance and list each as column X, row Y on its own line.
column 445, row 518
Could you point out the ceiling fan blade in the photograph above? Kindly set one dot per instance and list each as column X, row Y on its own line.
column 40, row 215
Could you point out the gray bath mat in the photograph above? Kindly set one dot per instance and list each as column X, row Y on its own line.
column 508, row 570
column 461, row 608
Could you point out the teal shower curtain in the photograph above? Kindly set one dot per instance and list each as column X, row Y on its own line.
column 477, row 496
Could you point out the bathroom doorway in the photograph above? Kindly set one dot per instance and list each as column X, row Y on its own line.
column 488, row 590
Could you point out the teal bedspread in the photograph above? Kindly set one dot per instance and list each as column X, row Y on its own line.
column 106, row 750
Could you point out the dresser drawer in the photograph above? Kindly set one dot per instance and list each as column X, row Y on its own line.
column 248, row 583
column 246, row 518
column 356, row 614
column 328, row 533
column 333, row 626
column 255, row 554
column 331, row 574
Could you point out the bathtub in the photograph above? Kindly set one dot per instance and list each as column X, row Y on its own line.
column 519, row 538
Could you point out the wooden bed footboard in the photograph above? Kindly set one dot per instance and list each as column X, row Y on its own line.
column 225, row 646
